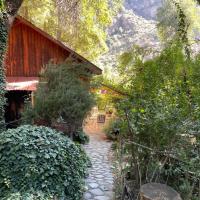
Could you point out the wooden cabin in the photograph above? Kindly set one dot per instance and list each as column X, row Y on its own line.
column 29, row 50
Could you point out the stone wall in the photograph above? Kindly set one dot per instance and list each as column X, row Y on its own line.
column 92, row 126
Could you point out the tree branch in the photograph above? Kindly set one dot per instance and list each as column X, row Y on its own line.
column 12, row 6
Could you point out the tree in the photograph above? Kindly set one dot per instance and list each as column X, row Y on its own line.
column 159, row 116
column 178, row 18
column 64, row 97
column 8, row 10
column 84, row 29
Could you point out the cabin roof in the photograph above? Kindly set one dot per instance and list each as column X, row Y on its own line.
column 96, row 70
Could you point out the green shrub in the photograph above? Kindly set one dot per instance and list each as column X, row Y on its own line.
column 160, row 117
column 81, row 137
column 112, row 129
column 62, row 96
column 28, row 196
column 34, row 159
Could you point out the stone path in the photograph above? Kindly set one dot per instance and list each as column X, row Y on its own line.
column 100, row 181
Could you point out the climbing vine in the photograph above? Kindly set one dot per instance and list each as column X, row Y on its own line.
column 183, row 26
column 8, row 10
column 3, row 44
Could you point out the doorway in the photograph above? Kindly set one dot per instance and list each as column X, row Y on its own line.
column 14, row 107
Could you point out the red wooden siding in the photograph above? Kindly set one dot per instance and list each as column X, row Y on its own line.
column 29, row 50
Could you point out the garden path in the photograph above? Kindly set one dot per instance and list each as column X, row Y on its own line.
column 100, row 181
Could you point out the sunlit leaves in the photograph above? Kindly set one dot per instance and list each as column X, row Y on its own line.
column 37, row 11
column 162, row 114
column 80, row 24
column 2, row 5
column 169, row 18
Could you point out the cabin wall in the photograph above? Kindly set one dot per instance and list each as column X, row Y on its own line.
column 29, row 51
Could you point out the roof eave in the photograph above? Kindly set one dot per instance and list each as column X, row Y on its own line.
column 96, row 70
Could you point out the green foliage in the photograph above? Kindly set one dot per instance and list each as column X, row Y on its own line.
column 178, row 18
column 160, row 118
column 28, row 196
column 112, row 129
column 2, row 5
column 62, row 96
column 82, row 25
column 3, row 42
column 40, row 163
column 81, row 137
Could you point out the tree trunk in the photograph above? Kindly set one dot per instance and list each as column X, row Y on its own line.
column 6, row 19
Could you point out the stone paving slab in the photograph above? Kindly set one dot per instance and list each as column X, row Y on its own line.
column 99, row 184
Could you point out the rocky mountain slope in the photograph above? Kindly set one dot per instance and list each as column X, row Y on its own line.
column 134, row 25
column 144, row 8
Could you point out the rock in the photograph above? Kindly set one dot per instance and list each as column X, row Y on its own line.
column 157, row 191
column 100, row 180
column 102, row 198
column 87, row 195
column 93, row 185
column 97, row 192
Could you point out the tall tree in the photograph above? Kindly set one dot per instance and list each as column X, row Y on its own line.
column 83, row 29
column 8, row 10
column 178, row 18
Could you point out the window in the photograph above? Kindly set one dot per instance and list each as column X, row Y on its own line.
column 101, row 118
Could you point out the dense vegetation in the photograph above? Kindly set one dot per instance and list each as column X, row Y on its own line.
column 83, row 29
column 160, row 119
column 40, row 162
column 68, row 21
column 63, row 96
column 3, row 42
column 157, row 115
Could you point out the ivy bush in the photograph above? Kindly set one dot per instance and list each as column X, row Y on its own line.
column 35, row 159
column 28, row 196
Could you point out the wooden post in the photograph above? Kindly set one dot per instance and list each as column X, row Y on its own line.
column 32, row 98
column 157, row 191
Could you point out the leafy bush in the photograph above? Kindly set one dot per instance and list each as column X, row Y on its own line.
column 62, row 95
column 81, row 137
column 35, row 159
column 28, row 196
column 3, row 40
column 112, row 129
column 160, row 116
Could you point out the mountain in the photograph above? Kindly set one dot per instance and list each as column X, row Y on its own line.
column 144, row 8
column 134, row 25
